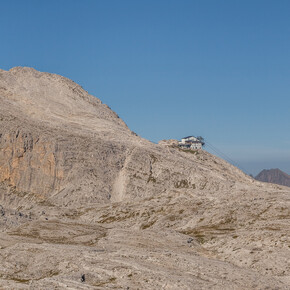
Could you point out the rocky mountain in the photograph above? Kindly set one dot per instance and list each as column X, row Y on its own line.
column 276, row 176
column 81, row 194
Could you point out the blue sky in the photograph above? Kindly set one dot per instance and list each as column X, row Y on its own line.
column 220, row 69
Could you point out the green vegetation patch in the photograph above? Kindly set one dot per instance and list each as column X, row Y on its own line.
column 182, row 184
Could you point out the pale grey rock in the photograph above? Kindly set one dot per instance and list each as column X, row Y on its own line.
column 82, row 194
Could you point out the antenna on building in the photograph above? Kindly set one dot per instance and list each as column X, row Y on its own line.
column 201, row 139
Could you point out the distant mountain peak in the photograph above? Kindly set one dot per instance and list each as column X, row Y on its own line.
column 275, row 175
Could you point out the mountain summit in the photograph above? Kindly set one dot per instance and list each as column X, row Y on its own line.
column 85, row 203
column 276, row 176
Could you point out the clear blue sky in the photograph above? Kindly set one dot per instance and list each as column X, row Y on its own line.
column 220, row 69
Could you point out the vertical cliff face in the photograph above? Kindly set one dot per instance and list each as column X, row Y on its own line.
column 31, row 163
column 73, row 169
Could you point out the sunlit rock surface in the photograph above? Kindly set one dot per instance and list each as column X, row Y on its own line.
column 81, row 194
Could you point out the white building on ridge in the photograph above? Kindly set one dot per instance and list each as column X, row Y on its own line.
column 191, row 142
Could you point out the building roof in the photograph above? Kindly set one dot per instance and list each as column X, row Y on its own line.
column 190, row 142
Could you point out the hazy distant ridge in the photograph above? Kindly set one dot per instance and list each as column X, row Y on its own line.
column 276, row 176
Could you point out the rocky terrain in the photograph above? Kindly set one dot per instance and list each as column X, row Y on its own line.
column 81, row 194
column 276, row 176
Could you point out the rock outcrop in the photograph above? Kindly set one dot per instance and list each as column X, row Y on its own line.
column 82, row 194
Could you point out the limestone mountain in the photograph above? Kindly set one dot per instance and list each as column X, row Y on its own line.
column 80, row 194
column 276, row 176
column 58, row 141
